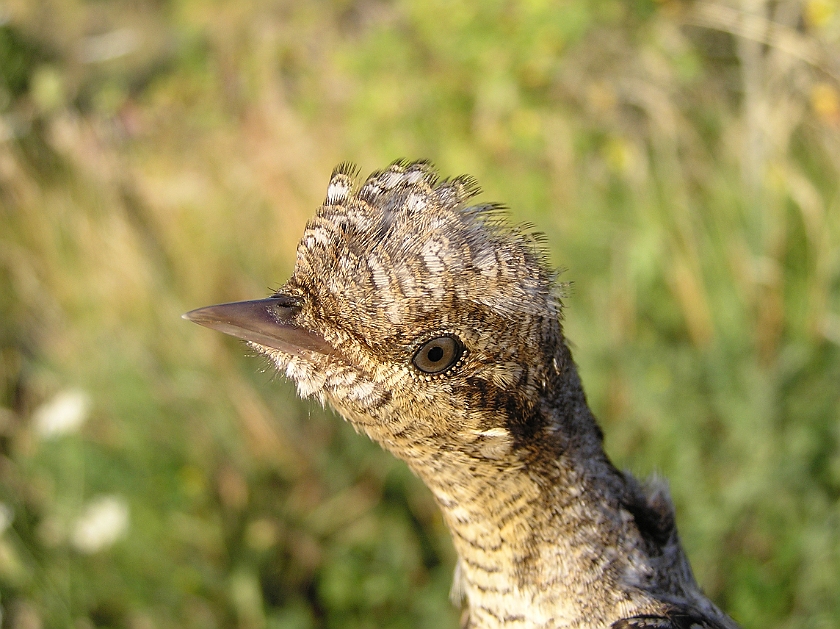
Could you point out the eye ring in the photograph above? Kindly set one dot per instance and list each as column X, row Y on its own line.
column 438, row 354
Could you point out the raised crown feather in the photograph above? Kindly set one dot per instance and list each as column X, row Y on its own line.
column 406, row 234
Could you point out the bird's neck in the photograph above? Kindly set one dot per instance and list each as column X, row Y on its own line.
column 530, row 526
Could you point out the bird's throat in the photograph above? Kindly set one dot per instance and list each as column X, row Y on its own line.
column 527, row 536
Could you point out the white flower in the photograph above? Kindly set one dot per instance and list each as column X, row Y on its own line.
column 103, row 522
column 64, row 414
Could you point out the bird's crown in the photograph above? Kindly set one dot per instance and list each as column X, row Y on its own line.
column 405, row 254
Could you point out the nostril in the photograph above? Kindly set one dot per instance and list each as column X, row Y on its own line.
column 283, row 308
column 286, row 301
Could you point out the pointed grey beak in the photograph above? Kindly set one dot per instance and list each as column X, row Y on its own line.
column 269, row 322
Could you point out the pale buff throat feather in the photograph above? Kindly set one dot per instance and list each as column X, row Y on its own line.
column 434, row 327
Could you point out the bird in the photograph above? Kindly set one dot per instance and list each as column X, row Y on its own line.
column 433, row 325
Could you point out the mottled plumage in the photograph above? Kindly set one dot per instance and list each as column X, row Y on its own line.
column 435, row 328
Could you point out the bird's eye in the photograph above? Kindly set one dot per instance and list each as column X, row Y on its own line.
column 438, row 355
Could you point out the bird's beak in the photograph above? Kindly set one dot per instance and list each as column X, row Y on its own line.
column 268, row 322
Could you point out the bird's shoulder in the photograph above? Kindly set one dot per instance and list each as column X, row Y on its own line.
column 679, row 619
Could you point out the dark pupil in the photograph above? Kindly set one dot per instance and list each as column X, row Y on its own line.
column 435, row 353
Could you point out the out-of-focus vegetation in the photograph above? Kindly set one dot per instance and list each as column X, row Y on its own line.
column 683, row 159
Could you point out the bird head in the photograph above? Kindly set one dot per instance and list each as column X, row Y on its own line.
column 422, row 318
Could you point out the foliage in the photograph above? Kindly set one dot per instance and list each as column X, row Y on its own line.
column 682, row 158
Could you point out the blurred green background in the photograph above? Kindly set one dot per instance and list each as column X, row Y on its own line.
column 160, row 155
